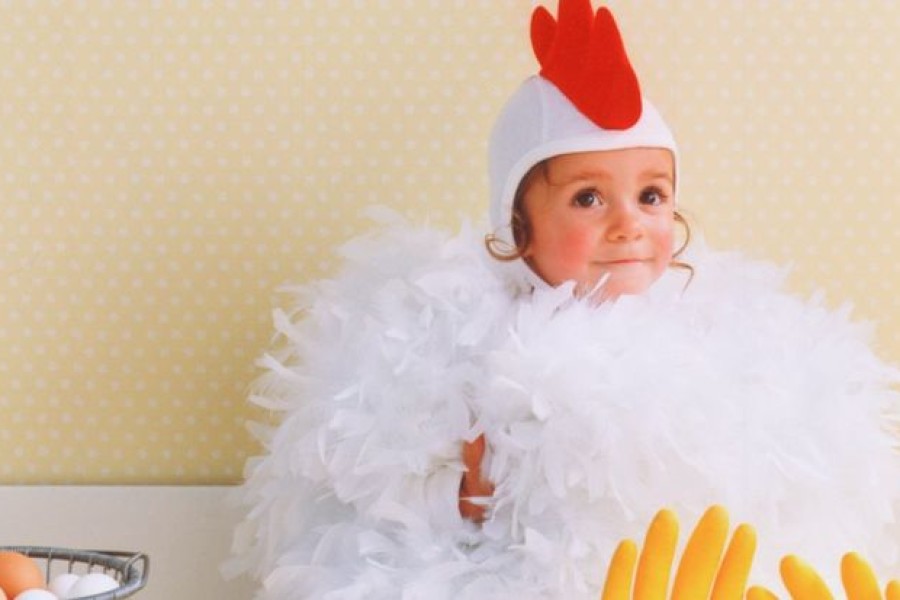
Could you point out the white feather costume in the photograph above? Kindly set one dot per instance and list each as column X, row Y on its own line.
column 732, row 392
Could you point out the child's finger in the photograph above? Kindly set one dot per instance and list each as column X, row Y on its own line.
column 697, row 568
column 858, row 579
column 473, row 453
column 652, row 579
column 758, row 592
column 620, row 572
column 472, row 484
column 735, row 570
column 801, row 581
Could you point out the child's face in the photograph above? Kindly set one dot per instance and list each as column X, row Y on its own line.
column 599, row 213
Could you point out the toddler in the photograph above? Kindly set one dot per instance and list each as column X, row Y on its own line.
column 607, row 373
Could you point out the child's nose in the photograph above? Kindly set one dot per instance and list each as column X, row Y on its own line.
column 624, row 224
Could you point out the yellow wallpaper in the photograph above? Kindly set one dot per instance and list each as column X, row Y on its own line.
column 166, row 165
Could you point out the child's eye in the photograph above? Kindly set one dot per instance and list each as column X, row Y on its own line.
column 652, row 197
column 587, row 198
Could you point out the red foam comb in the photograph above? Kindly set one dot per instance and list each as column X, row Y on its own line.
column 583, row 55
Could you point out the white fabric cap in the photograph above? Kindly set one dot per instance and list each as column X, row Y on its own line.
column 539, row 122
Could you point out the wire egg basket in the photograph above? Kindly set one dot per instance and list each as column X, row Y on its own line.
column 130, row 569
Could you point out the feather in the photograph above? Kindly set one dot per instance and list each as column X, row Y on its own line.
column 731, row 391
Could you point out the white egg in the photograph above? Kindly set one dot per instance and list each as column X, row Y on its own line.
column 37, row 595
column 92, row 583
column 62, row 583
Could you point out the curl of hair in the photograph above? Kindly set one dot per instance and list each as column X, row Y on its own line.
column 680, row 264
column 501, row 249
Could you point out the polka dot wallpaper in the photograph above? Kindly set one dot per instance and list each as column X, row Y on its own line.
column 166, row 165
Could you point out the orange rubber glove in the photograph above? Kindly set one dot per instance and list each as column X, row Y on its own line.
column 804, row 583
column 701, row 575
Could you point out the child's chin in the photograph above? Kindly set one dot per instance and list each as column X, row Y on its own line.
column 631, row 281
column 626, row 286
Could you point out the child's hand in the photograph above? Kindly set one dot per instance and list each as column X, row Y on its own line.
column 803, row 583
column 473, row 485
column 699, row 575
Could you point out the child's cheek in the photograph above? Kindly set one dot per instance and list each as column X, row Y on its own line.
column 665, row 240
column 577, row 248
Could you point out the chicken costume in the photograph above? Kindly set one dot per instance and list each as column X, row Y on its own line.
column 724, row 389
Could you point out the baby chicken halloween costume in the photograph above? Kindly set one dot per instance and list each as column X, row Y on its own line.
column 725, row 391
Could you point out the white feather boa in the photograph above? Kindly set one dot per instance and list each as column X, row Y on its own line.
column 733, row 392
